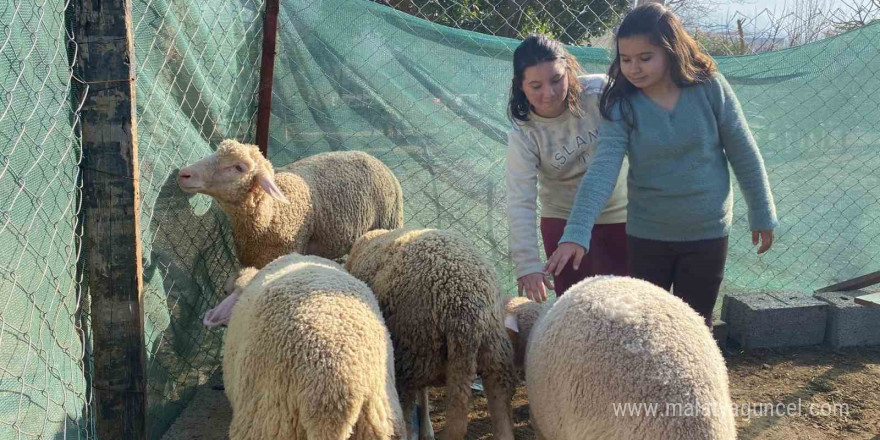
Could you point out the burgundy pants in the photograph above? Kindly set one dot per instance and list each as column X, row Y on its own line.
column 692, row 269
column 607, row 255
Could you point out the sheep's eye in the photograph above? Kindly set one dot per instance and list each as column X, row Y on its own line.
column 239, row 168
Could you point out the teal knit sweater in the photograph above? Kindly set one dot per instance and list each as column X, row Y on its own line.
column 678, row 182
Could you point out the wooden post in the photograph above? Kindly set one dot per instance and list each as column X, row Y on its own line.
column 853, row 284
column 267, row 69
column 742, row 35
column 110, row 210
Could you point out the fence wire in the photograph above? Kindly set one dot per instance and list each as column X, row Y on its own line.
column 572, row 22
column 413, row 86
column 430, row 100
column 198, row 73
column 43, row 380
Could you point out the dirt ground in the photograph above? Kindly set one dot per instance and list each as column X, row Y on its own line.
column 837, row 391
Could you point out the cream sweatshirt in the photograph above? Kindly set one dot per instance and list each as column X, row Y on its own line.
column 546, row 159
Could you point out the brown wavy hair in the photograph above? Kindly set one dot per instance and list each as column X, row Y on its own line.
column 688, row 63
column 536, row 49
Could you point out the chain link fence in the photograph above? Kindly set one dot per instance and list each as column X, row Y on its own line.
column 429, row 100
column 423, row 87
column 198, row 69
column 43, row 379
column 197, row 76
column 572, row 22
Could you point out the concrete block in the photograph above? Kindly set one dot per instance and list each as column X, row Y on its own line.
column 850, row 324
column 774, row 319
column 719, row 331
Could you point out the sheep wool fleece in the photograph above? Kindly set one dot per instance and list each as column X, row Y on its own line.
column 441, row 302
column 613, row 341
column 307, row 356
column 334, row 198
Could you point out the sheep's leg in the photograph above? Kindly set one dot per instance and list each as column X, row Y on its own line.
column 426, row 431
column 498, row 382
column 336, row 426
column 333, row 433
column 461, row 368
column 498, row 394
column 408, row 407
column 376, row 421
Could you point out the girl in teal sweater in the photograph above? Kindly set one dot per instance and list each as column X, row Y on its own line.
column 677, row 120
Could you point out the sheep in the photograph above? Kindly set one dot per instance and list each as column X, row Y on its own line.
column 316, row 206
column 611, row 341
column 220, row 314
column 441, row 302
column 307, row 356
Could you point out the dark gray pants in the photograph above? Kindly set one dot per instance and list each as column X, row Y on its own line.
column 692, row 269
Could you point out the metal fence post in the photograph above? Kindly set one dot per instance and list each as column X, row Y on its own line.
column 267, row 69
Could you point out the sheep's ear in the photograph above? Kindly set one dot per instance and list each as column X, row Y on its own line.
column 268, row 185
column 511, row 324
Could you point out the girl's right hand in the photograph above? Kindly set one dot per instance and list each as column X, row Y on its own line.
column 564, row 252
column 535, row 286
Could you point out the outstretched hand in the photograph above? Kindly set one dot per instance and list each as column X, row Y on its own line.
column 766, row 238
column 565, row 252
column 535, row 285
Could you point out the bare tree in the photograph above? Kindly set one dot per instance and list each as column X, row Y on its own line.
column 807, row 21
column 855, row 14
column 642, row 2
column 693, row 12
column 797, row 22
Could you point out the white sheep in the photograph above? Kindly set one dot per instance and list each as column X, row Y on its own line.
column 612, row 344
column 316, row 206
column 307, row 356
column 442, row 303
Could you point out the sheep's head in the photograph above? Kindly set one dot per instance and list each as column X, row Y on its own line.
column 230, row 173
column 363, row 261
column 520, row 316
column 244, row 278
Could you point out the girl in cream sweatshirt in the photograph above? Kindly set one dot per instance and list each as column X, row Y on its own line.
column 555, row 114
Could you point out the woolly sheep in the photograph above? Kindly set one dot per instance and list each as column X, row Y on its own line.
column 234, row 285
column 441, row 302
column 614, row 341
column 307, row 356
column 316, row 206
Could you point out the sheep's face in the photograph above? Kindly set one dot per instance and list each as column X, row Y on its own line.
column 244, row 278
column 230, row 174
column 520, row 316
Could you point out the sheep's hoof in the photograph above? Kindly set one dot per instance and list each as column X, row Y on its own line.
column 426, row 431
column 428, row 435
column 421, row 426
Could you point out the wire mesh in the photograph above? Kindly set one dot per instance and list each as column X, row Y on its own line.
column 430, row 102
column 572, row 22
column 43, row 380
column 427, row 97
column 197, row 77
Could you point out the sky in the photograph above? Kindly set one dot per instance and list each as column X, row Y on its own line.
column 727, row 12
column 751, row 7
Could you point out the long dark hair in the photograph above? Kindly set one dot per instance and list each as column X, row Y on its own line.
column 688, row 64
column 536, row 49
